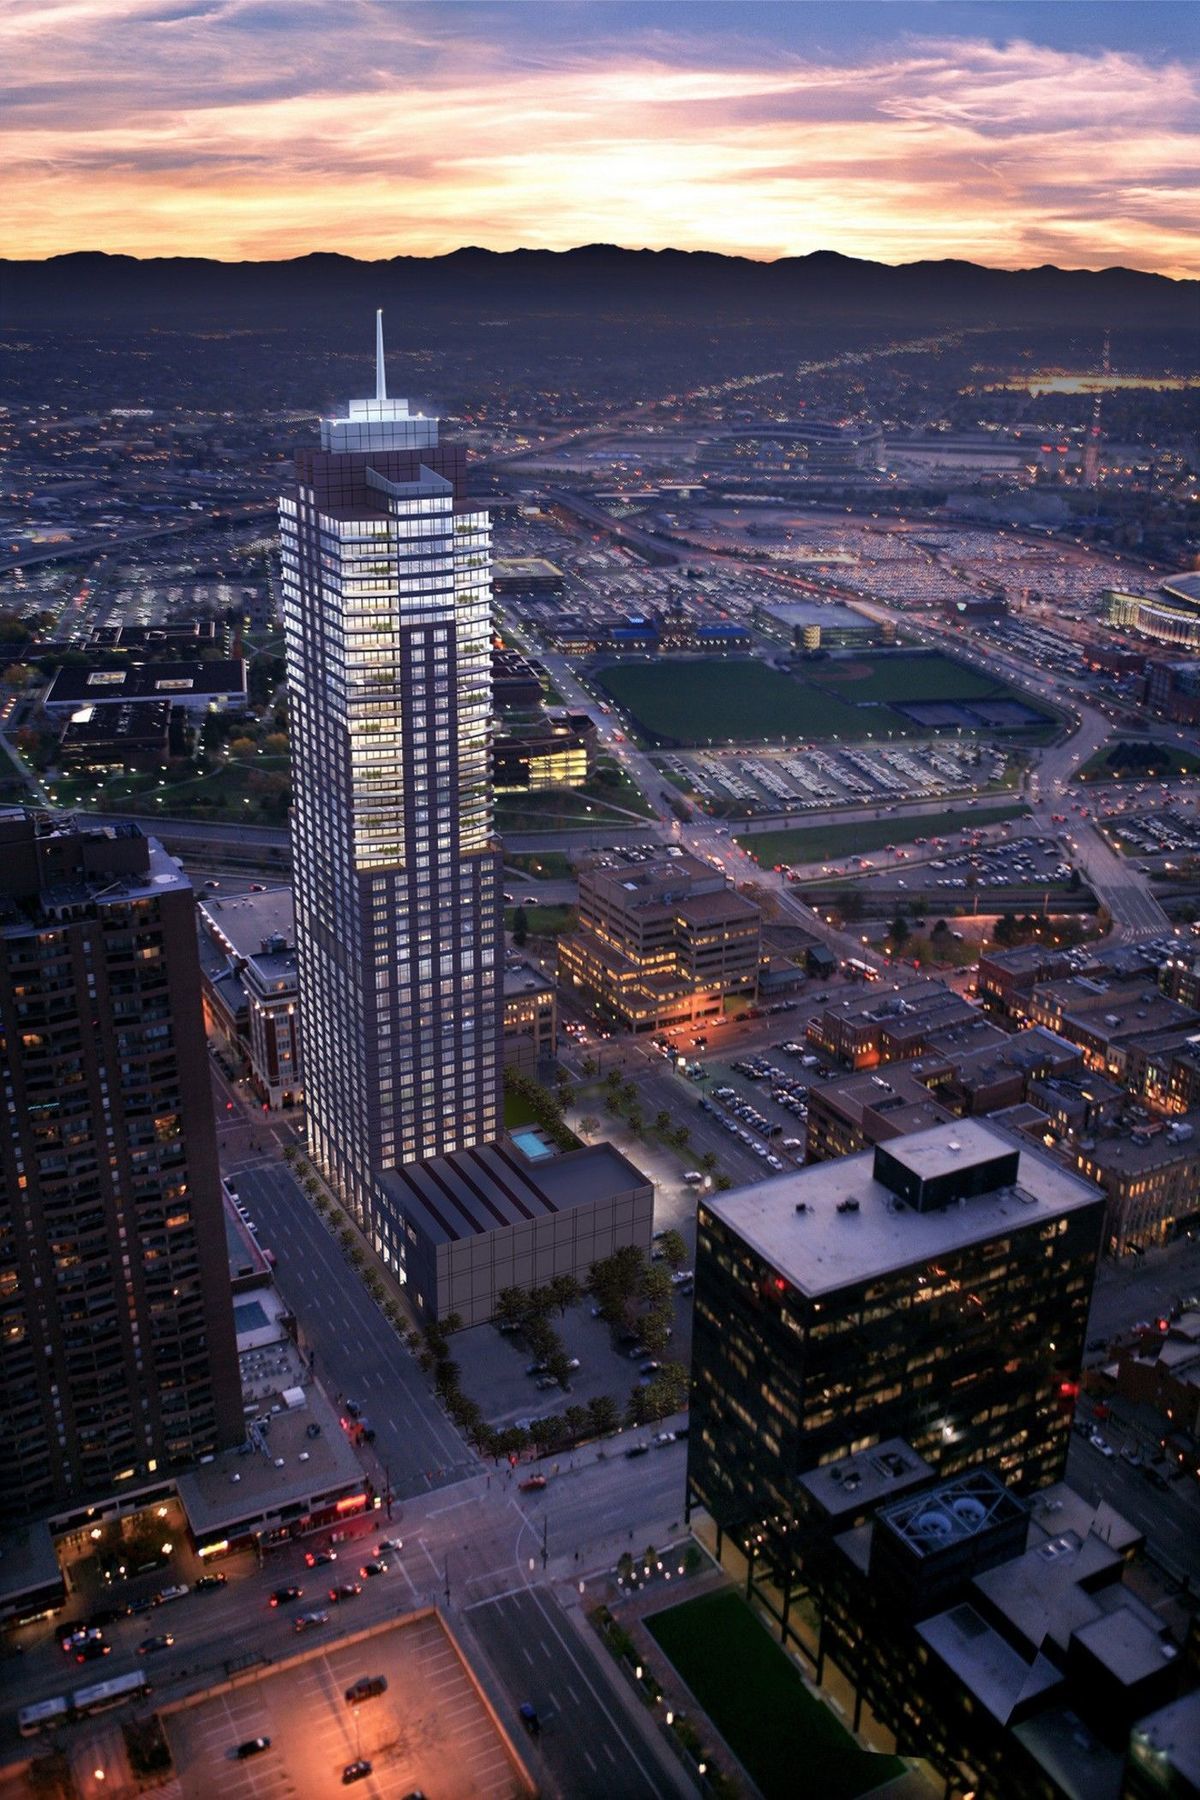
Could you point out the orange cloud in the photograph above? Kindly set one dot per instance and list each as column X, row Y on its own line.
column 234, row 129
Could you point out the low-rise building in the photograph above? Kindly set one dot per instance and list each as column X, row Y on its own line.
column 661, row 943
column 556, row 752
column 251, row 987
column 1005, row 979
column 1151, row 1177
column 511, row 1214
column 530, row 1016
column 131, row 736
column 882, row 1027
column 856, row 1112
column 996, row 1641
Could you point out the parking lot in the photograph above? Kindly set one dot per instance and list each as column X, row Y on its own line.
column 811, row 780
column 429, row 1731
column 1156, row 833
column 761, row 1099
column 1025, row 862
column 494, row 1365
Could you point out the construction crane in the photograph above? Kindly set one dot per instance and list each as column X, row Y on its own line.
column 1091, row 452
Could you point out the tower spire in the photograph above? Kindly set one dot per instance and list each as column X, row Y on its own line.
column 380, row 376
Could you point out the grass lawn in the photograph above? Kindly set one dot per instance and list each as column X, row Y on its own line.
column 691, row 702
column 789, row 1742
column 1165, row 763
column 552, row 865
column 517, row 1111
column 553, row 808
column 904, row 676
column 828, row 843
column 543, row 921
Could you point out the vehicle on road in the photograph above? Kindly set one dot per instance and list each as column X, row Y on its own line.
column 389, row 1546
column 1101, row 1444
column 178, row 1591
column 532, row 1484
column 309, row 1620
column 79, row 1634
column 529, row 1719
column 373, row 1568
column 161, row 1641
column 345, row 1590
column 252, row 1747
column 637, row 1450
column 92, row 1649
column 358, row 1770
column 662, row 1438
column 317, row 1559
column 208, row 1584
column 285, row 1595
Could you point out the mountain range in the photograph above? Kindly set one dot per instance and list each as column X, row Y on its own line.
column 598, row 280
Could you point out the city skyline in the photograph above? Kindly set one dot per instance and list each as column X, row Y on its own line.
column 1008, row 134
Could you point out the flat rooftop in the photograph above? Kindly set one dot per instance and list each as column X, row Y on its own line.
column 496, row 1185
column 882, row 1473
column 184, row 683
column 285, row 1470
column 823, row 1250
column 1174, row 1733
column 246, row 922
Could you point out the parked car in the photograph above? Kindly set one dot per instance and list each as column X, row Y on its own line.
column 1101, row 1444
column 358, row 1770
column 208, row 1584
column 252, row 1747
column 532, row 1484
column 365, row 1688
column 176, row 1592
column 663, row 1437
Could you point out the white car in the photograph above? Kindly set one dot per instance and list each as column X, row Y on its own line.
column 1101, row 1444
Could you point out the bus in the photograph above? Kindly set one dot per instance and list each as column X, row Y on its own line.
column 44, row 1715
column 103, row 1694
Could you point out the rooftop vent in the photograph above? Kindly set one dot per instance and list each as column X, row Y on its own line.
column 847, row 1206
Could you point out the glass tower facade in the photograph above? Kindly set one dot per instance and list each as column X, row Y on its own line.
column 387, row 610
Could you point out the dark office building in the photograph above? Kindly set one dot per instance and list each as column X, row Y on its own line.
column 118, row 1360
column 935, row 1290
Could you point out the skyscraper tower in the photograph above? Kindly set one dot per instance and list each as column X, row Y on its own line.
column 387, row 610
column 118, row 1360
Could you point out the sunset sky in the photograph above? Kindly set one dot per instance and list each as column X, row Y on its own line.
column 1011, row 134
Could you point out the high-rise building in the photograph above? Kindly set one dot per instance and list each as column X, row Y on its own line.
column 118, row 1361
column 934, row 1290
column 387, row 608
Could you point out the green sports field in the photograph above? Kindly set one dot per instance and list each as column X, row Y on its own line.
column 828, row 843
column 744, row 701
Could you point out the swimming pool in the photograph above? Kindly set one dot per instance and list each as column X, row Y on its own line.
column 532, row 1144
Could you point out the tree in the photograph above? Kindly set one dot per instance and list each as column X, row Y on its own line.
column 589, row 1126
column 637, row 1123
column 577, row 1420
column 680, row 1136
column 520, row 928
column 566, row 1291
column 452, row 1322
column 512, row 1306
column 722, row 1181
column 899, row 932
column 603, row 1415
column 558, row 1366
column 662, row 1119
column 708, row 1161
column 588, row 1067
column 940, row 928
column 673, row 1248
column 612, row 1104
column 613, row 1080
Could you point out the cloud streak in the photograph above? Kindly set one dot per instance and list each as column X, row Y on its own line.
column 239, row 129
